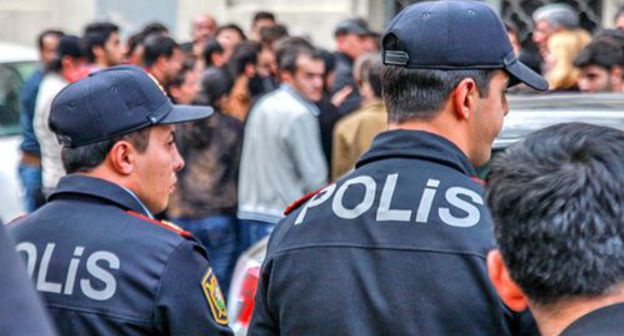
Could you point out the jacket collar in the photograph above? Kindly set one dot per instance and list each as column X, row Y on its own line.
column 417, row 145
column 98, row 188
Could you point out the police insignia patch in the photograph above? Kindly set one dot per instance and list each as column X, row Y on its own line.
column 213, row 294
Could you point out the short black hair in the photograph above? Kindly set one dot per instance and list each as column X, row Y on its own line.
column 214, row 84
column 95, row 35
column 155, row 28
column 157, row 46
column 232, row 26
column 45, row 33
column 212, row 47
column 268, row 35
column 603, row 52
column 557, row 200
column 180, row 77
column 85, row 158
column 244, row 53
column 263, row 15
column 421, row 93
column 288, row 51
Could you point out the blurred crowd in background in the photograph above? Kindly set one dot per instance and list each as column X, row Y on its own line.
column 289, row 117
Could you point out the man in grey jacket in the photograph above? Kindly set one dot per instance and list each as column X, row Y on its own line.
column 282, row 158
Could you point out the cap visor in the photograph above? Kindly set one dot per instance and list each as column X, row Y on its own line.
column 183, row 113
column 524, row 74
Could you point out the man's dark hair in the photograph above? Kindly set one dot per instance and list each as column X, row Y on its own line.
column 421, row 93
column 96, row 35
column 69, row 46
column 262, row 15
column 268, row 35
column 557, row 199
column 374, row 79
column 288, row 51
column 245, row 53
column 212, row 47
column 45, row 33
column 180, row 77
column 215, row 83
column 157, row 46
column 602, row 52
column 85, row 158
column 155, row 28
column 232, row 26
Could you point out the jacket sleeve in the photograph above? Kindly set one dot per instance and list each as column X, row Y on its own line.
column 189, row 300
column 263, row 321
column 304, row 146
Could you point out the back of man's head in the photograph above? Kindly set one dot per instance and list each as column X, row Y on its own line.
column 558, row 15
column 557, row 199
column 157, row 46
column 244, row 57
column 367, row 72
column 96, row 35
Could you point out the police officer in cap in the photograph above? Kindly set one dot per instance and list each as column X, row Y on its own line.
column 101, row 261
column 398, row 246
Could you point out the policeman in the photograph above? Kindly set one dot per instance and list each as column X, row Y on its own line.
column 102, row 263
column 21, row 311
column 398, row 247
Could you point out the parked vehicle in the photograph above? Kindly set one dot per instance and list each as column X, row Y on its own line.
column 527, row 114
column 17, row 63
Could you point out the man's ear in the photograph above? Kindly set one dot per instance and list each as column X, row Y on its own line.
column 98, row 51
column 507, row 289
column 122, row 158
column 616, row 75
column 464, row 98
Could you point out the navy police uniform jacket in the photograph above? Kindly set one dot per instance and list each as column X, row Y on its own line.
column 397, row 247
column 105, row 268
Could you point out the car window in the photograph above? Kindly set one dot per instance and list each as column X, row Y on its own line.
column 12, row 78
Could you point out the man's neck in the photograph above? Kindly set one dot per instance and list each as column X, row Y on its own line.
column 553, row 319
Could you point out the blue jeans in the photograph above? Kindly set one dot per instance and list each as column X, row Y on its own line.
column 30, row 177
column 218, row 235
column 251, row 231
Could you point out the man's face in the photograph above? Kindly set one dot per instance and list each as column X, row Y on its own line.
column 619, row 22
column 173, row 64
column 187, row 92
column 204, row 27
column 48, row 52
column 113, row 50
column 228, row 39
column 488, row 117
column 352, row 44
column 594, row 78
column 308, row 78
column 541, row 33
column 267, row 65
column 156, row 168
column 258, row 25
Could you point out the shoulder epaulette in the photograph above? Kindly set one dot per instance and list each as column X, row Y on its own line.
column 478, row 180
column 16, row 219
column 300, row 201
column 167, row 225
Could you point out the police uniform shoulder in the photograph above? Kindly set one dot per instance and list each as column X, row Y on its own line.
column 296, row 204
column 163, row 224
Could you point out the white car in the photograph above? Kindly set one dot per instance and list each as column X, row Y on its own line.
column 17, row 63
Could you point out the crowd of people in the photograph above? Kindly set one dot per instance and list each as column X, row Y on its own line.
column 289, row 120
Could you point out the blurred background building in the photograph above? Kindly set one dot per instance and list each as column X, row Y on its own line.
column 21, row 20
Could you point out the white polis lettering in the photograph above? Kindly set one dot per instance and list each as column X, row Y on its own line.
column 31, row 255
column 109, row 280
column 452, row 196
column 384, row 213
column 365, row 204
column 42, row 284
column 93, row 269
column 426, row 201
column 73, row 270
column 317, row 200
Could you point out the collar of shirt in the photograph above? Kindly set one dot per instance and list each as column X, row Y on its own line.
column 603, row 321
column 418, row 145
column 308, row 104
column 102, row 189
